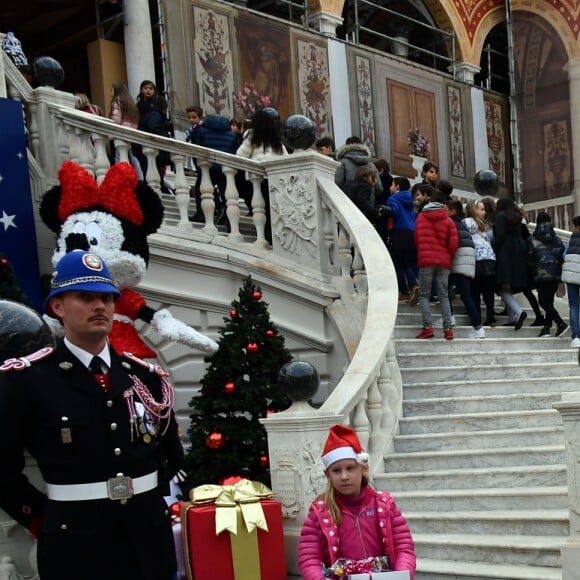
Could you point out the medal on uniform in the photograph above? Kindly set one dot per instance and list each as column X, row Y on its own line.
column 146, row 438
column 66, row 435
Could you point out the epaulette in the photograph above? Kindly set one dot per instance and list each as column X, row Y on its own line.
column 23, row 362
column 146, row 365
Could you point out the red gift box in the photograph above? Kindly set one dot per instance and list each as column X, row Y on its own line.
column 209, row 556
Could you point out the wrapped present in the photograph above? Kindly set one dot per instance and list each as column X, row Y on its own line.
column 233, row 532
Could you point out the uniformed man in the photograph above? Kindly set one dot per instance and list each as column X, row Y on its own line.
column 104, row 435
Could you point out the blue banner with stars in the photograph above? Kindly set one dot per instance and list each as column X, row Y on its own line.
column 17, row 231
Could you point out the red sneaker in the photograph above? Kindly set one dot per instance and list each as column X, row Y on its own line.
column 448, row 334
column 427, row 333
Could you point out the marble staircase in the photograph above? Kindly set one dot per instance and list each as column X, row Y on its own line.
column 479, row 465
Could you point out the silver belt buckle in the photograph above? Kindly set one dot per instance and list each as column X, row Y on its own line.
column 120, row 487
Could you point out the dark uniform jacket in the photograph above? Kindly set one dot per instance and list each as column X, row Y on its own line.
column 78, row 433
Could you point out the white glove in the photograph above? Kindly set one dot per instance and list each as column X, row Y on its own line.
column 54, row 325
column 171, row 328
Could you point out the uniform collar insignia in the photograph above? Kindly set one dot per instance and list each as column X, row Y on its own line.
column 126, row 365
column 65, row 366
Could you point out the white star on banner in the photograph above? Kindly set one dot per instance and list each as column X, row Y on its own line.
column 7, row 220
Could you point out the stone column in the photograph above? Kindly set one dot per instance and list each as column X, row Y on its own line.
column 138, row 44
column 325, row 15
column 465, row 71
column 574, row 84
column 569, row 408
column 3, row 92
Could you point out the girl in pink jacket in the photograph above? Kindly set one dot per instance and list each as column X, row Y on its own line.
column 351, row 523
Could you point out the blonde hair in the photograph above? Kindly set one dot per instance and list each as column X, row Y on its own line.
column 329, row 498
column 482, row 223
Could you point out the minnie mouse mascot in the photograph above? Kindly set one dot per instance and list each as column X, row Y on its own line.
column 113, row 220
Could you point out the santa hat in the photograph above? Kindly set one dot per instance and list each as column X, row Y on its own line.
column 342, row 443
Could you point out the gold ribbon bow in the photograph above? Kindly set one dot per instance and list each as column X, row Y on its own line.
column 233, row 503
column 229, row 500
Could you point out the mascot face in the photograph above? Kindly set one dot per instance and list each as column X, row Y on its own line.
column 101, row 233
column 111, row 219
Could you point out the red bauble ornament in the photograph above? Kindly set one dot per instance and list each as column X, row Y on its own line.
column 175, row 508
column 214, row 440
column 264, row 460
column 230, row 480
column 233, row 313
column 256, row 295
column 253, row 347
column 230, row 387
column 4, row 262
column 270, row 333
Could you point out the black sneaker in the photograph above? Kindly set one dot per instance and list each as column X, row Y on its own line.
column 520, row 320
column 539, row 322
column 562, row 328
column 544, row 332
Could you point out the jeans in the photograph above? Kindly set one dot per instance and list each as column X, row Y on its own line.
column 512, row 306
column 573, row 291
column 405, row 263
column 428, row 274
column 463, row 286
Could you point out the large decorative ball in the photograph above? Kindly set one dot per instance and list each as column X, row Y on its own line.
column 298, row 380
column 214, row 440
column 22, row 330
column 47, row 72
column 486, row 182
column 298, row 132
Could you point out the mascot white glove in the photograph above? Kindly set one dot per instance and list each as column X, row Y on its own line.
column 171, row 328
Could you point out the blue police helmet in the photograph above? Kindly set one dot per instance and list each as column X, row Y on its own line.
column 82, row 271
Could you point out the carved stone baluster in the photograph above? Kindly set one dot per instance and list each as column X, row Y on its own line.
column 182, row 193
column 374, row 412
column 207, row 196
column 64, row 139
column 232, row 202
column 360, row 422
column 33, row 133
column 102, row 164
column 359, row 275
column 258, row 208
column 86, row 158
column 123, row 148
column 152, row 178
column 330, row 233
column 345, row 260
column 74, row 143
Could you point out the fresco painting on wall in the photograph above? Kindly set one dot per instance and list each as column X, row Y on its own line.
column 557, row 158
column 456, row 132
column 365, row 101
column 314, row 85
column 496, row 141
column 213, row 61
column 265, row 60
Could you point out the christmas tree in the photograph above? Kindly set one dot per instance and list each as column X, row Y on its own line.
column 9, row 287
column 238, row 389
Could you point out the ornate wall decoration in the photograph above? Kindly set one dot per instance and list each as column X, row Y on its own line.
column 213, row 61
column 456, row 132
column 265, row 59
column 294, row 216
column 557, row 158
column 287, row 474
column 472, row 12
column 496, row 137
column 365, row 101
column 314, row 84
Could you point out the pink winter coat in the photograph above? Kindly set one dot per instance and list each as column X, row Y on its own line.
column 436, row 237
column 319, row 538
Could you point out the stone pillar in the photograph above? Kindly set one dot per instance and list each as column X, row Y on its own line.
column 574, row 84
column 138, row 44
column 325, row 15
column 465, row 72
column 3, row 92
column 569, row 408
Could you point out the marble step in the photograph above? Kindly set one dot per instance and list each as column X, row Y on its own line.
column 515, row 420
column 506, row 344
column 463, row 458
column 437, row 568
column 511, row 368
column 519, row 498
column 490, row 387
column 537, row 522
column 479, row 404
column 487, row 477
column 461, row 332
column 497, row 438
column 493, row 356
